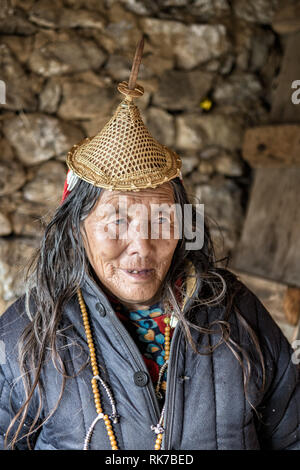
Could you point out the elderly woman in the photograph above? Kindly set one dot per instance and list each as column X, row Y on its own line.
column 129, row 336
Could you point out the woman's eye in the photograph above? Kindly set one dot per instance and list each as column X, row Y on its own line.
column 162, row 220
column 120, row 221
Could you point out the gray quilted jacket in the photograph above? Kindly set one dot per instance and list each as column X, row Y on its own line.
column 206, row 406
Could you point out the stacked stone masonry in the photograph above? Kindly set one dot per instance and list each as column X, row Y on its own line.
column 208, row 71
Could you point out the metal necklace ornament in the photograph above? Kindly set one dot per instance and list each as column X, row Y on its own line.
column 158, row 429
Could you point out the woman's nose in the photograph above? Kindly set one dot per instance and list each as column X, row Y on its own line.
column 140, row 246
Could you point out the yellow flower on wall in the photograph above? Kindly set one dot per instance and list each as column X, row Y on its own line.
column 206, row 104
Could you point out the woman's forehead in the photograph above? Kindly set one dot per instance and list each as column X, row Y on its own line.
column 163, row 193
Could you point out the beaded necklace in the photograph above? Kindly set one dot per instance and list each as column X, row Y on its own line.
column 159, row 428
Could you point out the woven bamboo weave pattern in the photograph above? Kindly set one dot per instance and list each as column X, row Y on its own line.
column 124, row 155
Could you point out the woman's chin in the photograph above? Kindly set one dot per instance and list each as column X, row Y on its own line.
column 137, row 296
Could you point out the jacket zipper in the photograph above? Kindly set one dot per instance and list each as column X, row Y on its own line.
column 171, row 382
column 170, row 392
column 138, row 360
column 131, row 347
column 136, row 355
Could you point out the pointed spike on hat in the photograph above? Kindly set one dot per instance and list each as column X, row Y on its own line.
column 136, row 65
column 124, row 155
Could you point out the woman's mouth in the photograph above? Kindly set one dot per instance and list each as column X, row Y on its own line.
column 139, row 273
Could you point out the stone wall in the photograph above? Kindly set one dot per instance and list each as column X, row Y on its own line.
column 208, row 70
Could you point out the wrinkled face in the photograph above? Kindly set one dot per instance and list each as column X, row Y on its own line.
column 128, row 232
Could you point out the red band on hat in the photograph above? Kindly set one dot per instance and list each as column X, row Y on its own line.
column 65, row 192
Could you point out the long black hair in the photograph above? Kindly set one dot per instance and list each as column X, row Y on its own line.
column 58, row 270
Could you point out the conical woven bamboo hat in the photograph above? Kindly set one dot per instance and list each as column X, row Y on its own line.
column 124, row 155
